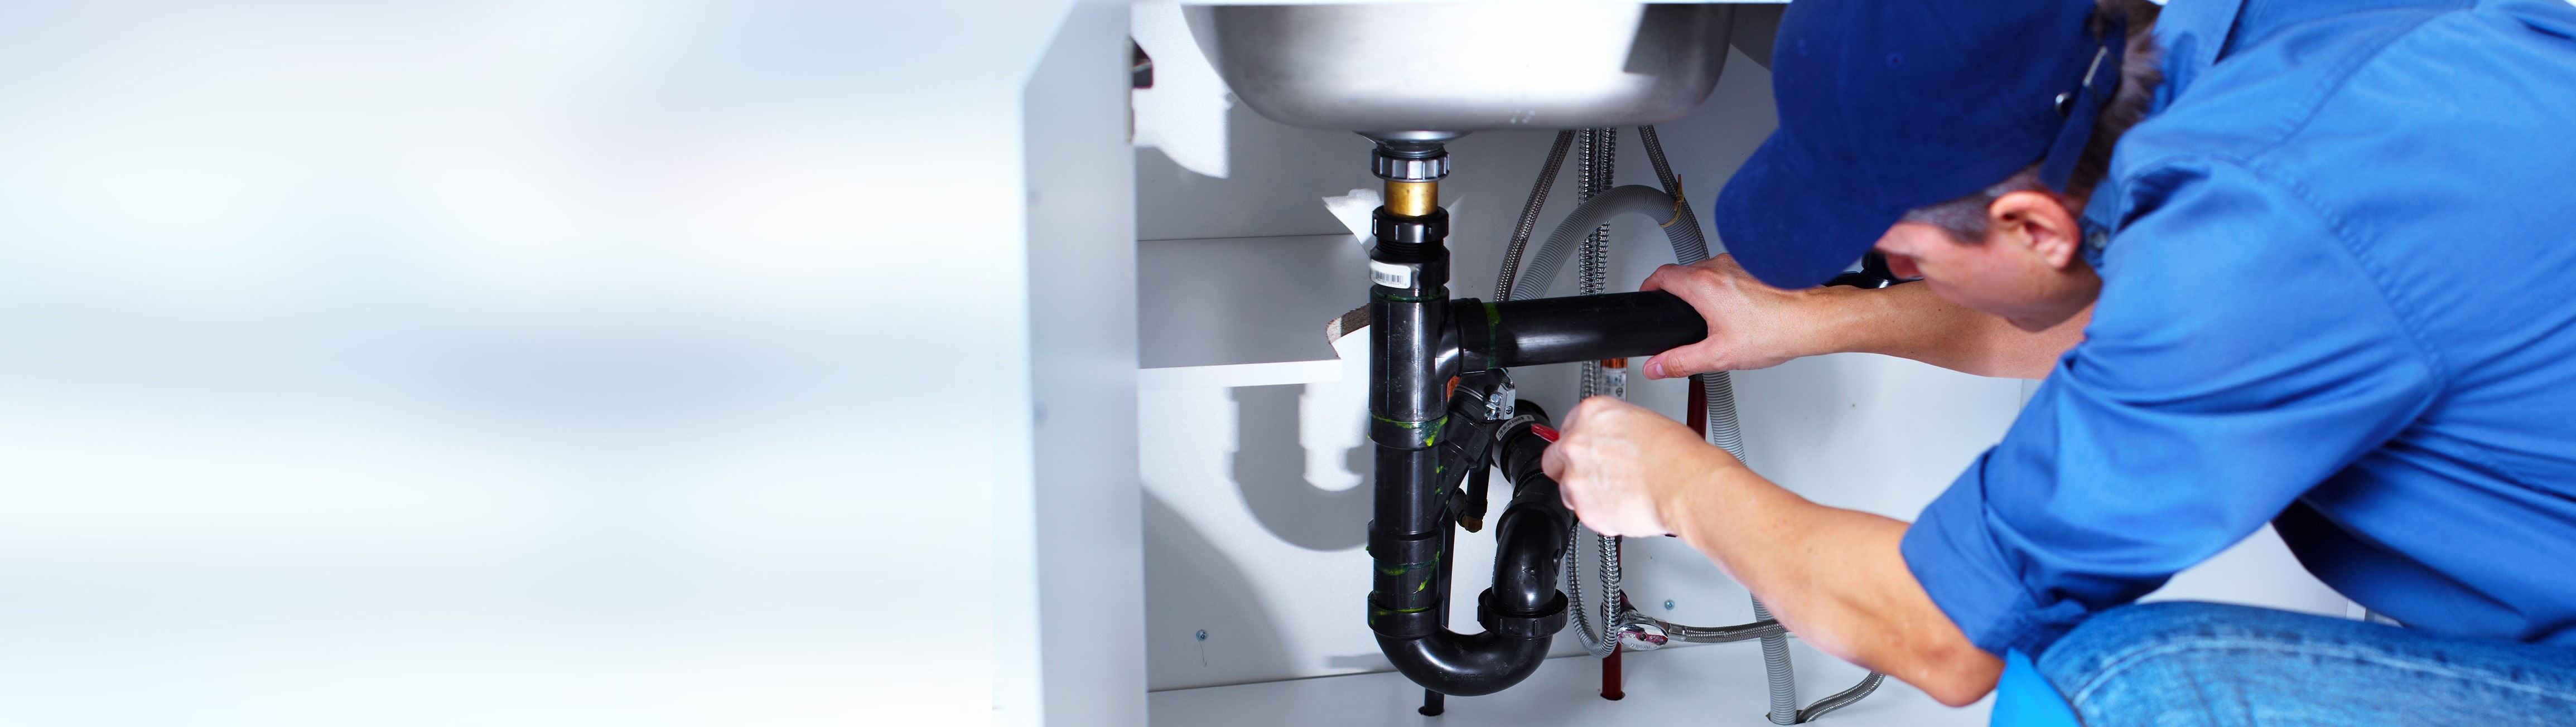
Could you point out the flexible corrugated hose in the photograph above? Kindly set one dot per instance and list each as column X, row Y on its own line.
column 1723, row 430
column 1602, row 201
column 1540, row 269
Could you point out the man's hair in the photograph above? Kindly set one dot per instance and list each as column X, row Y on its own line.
column 2141, row 72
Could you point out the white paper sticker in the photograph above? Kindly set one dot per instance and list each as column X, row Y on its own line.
column 1392, row 275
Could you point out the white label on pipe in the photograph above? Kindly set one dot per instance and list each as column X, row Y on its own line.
column 1392, row 275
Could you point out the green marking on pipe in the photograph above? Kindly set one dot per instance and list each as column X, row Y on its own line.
column 1403, row 568
column 1493, row 322
column 1426, row 433
column 1441, row 296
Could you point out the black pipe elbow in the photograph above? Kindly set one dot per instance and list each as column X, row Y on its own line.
column 1529, row 546
column 1523, row 611
column 1520, row 614
column 1465, row 665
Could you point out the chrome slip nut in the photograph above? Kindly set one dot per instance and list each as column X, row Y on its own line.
column 1412, row 169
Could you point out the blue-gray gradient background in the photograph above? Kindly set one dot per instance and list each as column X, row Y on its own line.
column 510, row 362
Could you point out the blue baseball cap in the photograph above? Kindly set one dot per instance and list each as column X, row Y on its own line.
column 1890, row 105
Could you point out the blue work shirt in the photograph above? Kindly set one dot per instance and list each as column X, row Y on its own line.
column 2332, row 301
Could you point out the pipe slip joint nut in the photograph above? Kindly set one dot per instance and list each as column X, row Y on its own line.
column 1393, row 168
column 1521, row 626
column 1400, row 235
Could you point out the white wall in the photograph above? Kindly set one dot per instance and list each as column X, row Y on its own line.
column 1082, row 338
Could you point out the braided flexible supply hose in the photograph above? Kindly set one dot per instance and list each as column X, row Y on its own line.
column 1843, row 698
column 1608, row 637
column 1593, row 266
column 1593, row 174
column 1529, row 215
column 1700, row 634
column 1600, row 157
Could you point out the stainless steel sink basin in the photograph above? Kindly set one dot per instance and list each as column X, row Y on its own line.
column 1467, row 66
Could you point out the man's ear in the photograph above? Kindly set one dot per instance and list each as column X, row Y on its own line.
column 2038, row 221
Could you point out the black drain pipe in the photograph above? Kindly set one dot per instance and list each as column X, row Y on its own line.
column 1426, row 437
column 1408, row 403
column 1523, row 611
column 1408, row 407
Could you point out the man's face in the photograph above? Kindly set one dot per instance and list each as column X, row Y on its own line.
column 2005, row 275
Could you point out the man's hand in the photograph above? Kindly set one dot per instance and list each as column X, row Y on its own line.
column 1753, row 326
column 1750, row 325
column 1835, row 577
column 1619, row 465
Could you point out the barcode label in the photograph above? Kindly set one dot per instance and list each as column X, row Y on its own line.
column 1392, row 275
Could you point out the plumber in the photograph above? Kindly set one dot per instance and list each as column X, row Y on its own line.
column 2278, row 262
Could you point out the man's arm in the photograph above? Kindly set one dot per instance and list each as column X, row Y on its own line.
column 1833, row 576
column 1752, row 326
column 2210, row 393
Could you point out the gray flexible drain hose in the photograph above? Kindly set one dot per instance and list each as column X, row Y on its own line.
column 1681, row 227
column 1775, row 663
column 1624, row 199
column 1724, row 432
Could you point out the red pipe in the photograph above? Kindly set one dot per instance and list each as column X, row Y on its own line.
column 1610, row 688
column 1610, row 679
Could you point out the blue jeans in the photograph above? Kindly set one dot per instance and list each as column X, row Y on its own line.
column 2211, row 664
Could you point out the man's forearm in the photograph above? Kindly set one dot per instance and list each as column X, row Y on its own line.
column 1836, row 578
column 1910, row 321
